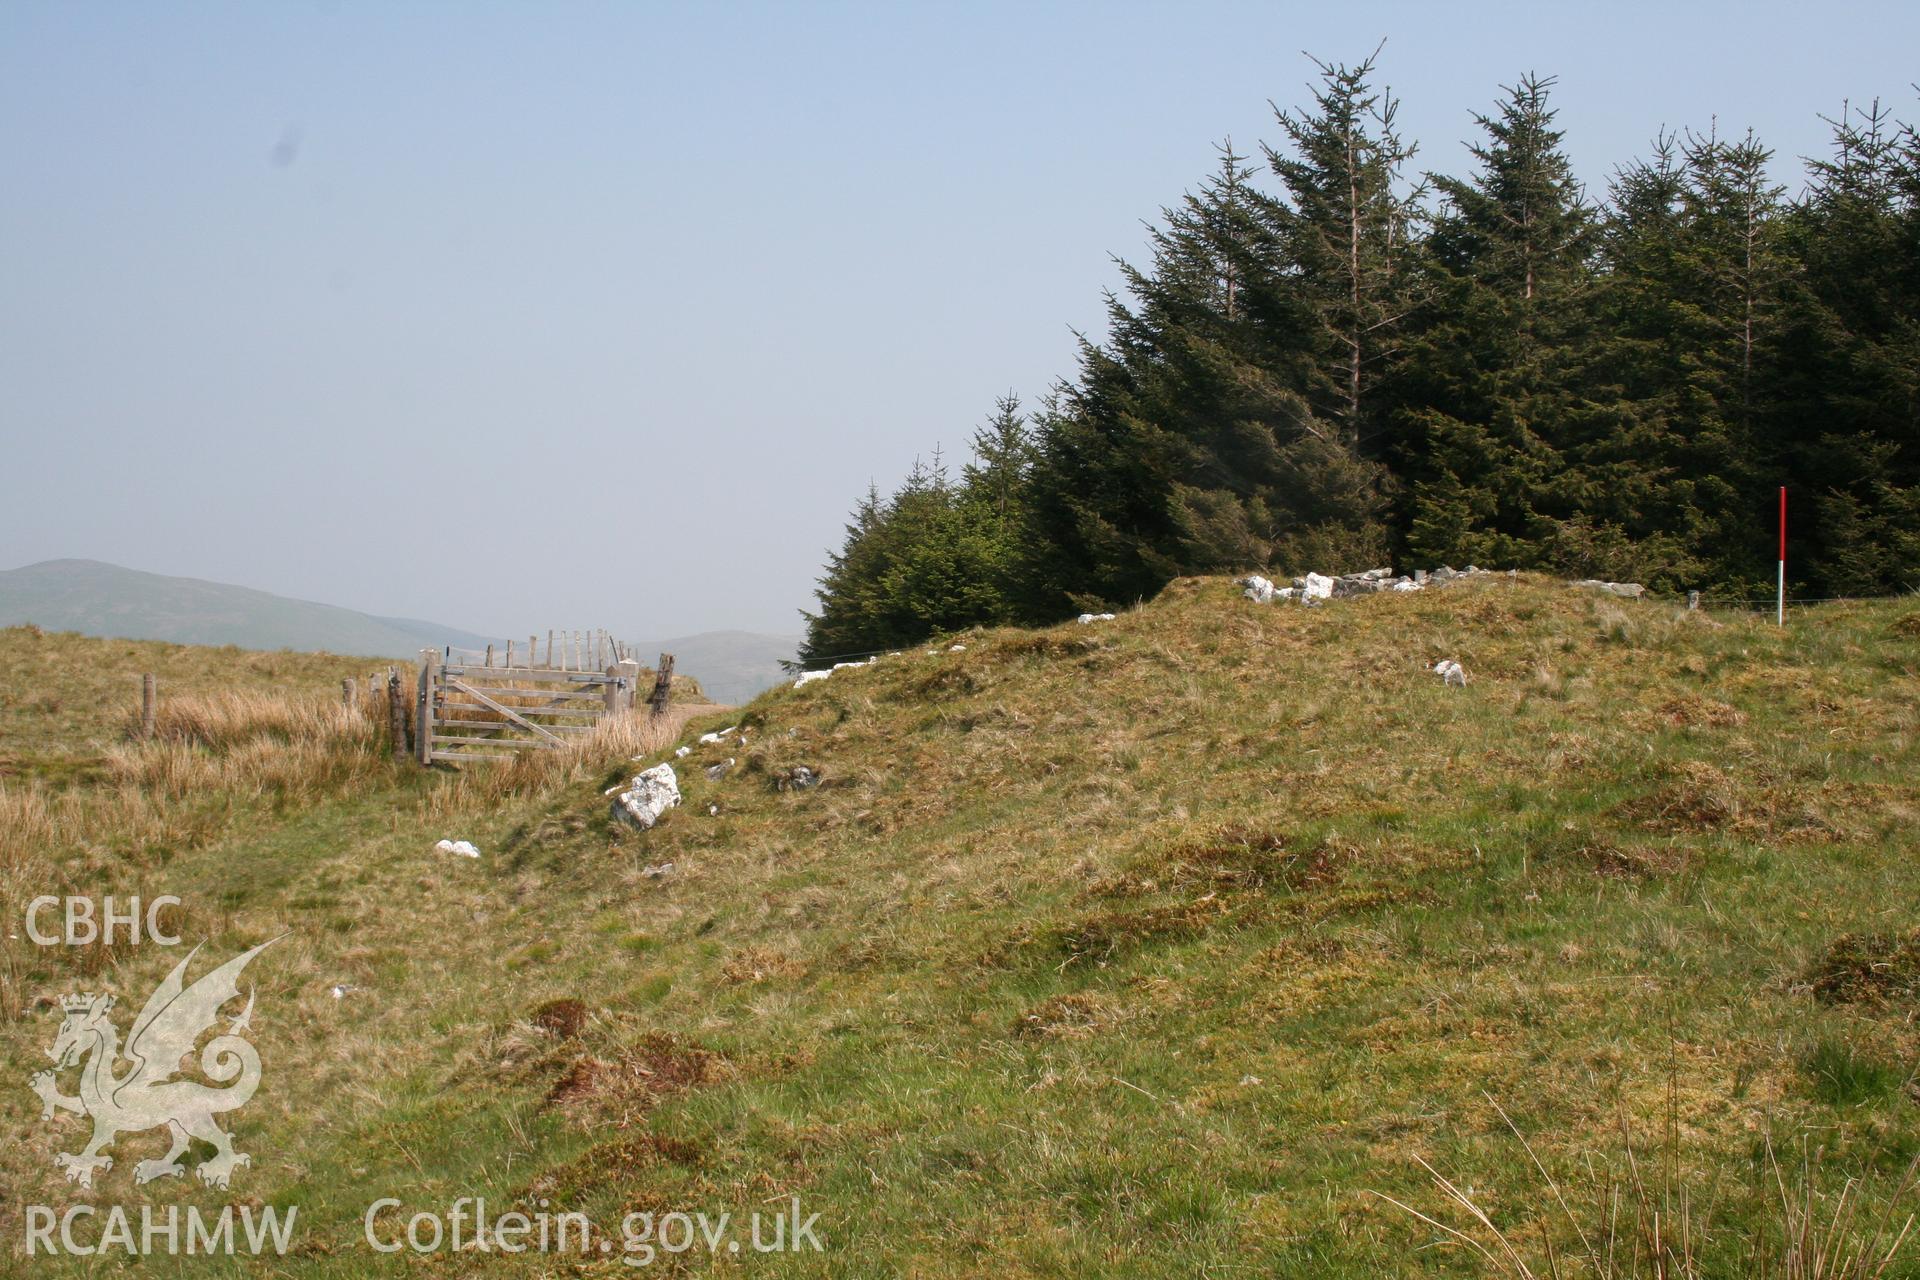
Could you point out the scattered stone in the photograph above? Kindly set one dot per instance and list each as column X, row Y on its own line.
column 716, row 772
column 1314, row 588
column 808, row 677
column 657, row 872
column 1358, row 585
column 681, row 754
column 958, row 648
column 342, row 990
column 1085, row 618
column 654, row 791
column 798, row 778
column 1450, row 672
column 1628, row 590
column 459, row 847
column 708, row 739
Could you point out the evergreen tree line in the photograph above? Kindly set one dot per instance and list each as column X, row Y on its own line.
column 1333, row 361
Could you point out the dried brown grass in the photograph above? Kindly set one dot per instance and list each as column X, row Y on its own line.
column 533, row 773
column 1647, row 1225
column 252, row 744
column 236, row 718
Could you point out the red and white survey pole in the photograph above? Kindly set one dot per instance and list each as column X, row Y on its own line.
column 1780, row 606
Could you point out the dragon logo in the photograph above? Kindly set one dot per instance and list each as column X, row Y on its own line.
column 146, row 1095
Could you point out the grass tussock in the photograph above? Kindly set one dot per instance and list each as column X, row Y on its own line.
column 228, row 720
column 1868, row 967
column 298, row 748
column 1645, row 1216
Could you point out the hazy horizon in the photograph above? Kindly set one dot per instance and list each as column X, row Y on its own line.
column 509, row 318
column 453, row 624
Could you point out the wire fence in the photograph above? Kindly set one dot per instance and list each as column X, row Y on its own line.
column 1767, row 604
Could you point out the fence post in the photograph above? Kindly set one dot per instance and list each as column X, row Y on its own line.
column 423, row 722
column 149, row 698
column 549, row 648
column 346, row 694
column 628, row 674
column 533, row 652
column 396, row 716
column 662, row 685
column 610, row 693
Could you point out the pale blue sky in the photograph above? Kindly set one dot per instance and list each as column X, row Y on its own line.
column 517, row 316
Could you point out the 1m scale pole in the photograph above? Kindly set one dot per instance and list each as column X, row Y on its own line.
column 1780, row 605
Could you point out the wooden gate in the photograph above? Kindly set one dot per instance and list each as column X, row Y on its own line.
column 478, row 711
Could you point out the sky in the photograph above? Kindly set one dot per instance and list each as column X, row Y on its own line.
column 518, row 316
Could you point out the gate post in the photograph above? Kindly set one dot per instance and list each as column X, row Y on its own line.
column 662, row 685
column 628, row 673
column 423, row 722
column 396, row 717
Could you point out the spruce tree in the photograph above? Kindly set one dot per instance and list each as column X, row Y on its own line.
column 1003, row 452
column 1347, row 230
column 848, row 590
column 1166, row 454
column 1844, row 411
column 1486, row 389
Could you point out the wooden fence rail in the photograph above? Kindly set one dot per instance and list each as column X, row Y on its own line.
column 589, row 651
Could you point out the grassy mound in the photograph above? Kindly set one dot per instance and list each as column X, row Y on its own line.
column 1163, row 945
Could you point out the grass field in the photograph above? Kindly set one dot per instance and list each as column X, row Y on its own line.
column 1173, row 945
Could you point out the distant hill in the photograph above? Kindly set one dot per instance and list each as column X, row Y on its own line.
column 100, row 599
column 731, row 666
